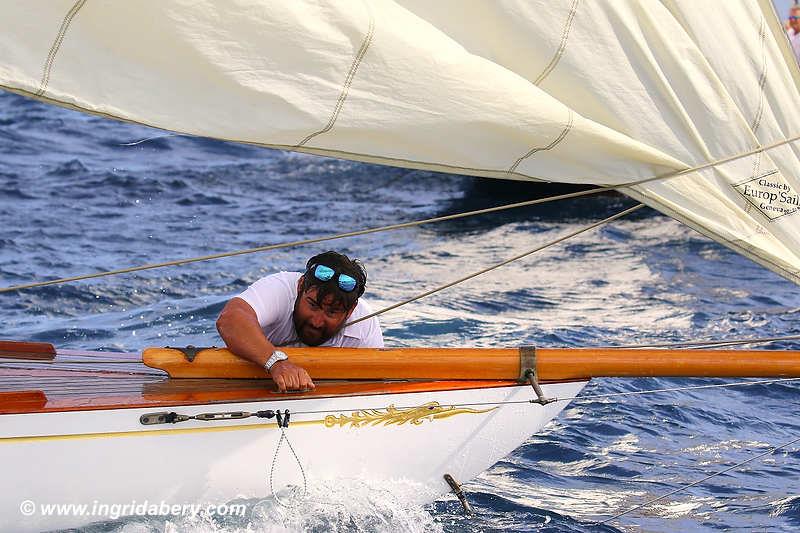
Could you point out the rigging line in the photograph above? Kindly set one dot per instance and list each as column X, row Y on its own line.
column 719, row 342
column 561, row 399
column 759, row 149
column 597, row 190
column 699, row 481
column 678, row 389
column 498, row 265
column 181, row 262
column 282, row 438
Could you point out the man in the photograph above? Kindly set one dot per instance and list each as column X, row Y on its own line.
column 300, row 309
column 793, row 30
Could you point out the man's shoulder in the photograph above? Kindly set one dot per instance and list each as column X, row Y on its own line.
column 282, row 276
column 365, row 329
column 280, row 280
column 363, row 308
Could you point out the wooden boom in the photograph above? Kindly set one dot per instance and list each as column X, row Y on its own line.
column 486, row 363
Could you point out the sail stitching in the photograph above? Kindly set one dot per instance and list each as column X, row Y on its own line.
column 756, row 166
column 348, row 81
column 560, row 52
column 427, row 165
column 762, row 81
column 51, row 56
column 564, row 132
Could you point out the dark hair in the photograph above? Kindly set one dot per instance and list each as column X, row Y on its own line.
column 342, row 265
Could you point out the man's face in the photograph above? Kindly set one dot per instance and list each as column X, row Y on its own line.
column 794, row 23
column 315, row 322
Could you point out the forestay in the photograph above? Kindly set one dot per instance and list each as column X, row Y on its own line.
column 603, row 92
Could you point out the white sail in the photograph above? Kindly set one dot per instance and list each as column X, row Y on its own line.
column 608, row 92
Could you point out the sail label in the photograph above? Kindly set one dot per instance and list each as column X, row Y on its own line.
column 770, row 194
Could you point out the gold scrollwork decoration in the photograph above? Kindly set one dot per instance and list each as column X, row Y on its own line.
column 393, row 416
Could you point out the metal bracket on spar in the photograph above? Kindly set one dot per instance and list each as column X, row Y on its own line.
column 190, row 352
column 527, row 373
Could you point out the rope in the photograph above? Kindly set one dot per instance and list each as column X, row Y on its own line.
column 498, row 265
column 718, row 342
column 188, row 260
column 699, row 481
column 741, row 155
column 566, row 398
column 180, row 262
column 272, row 470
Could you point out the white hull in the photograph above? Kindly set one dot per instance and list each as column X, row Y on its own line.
column 108, row 457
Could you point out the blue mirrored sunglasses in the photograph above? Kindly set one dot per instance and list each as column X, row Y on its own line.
column 324, row 273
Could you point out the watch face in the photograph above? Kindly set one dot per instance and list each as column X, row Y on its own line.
column 276, row 356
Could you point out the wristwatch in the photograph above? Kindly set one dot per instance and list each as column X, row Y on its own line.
column 276, row 356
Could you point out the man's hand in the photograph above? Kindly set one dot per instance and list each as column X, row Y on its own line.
column 289, row 376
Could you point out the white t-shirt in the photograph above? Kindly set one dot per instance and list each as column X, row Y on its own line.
column 272, row 298
column 794, row 39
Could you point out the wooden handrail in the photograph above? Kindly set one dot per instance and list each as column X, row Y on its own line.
column 487, row 363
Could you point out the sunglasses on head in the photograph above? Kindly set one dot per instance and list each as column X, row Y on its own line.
column 325, row 273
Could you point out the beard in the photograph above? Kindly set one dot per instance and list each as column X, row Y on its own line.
column 308, row 334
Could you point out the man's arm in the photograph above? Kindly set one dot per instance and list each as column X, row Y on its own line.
column 239, row 328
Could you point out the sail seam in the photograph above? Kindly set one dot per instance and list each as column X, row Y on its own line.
column 756, row 168
column 427, row 165
column 560, row 52
column 303, row 149
column 762, row 81
column 51, row 56
column 564, row 132
column 348, row 81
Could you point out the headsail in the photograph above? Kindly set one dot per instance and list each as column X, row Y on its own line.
column 610, row 93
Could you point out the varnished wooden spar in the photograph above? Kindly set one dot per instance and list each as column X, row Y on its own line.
column 34, row 351
column 348, row 363
column 487, row 363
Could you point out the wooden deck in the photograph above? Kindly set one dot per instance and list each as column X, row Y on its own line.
column 63, row 384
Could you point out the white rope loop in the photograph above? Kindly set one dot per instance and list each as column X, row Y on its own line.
column 298, row 501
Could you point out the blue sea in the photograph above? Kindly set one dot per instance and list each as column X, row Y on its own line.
column 77, row 197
